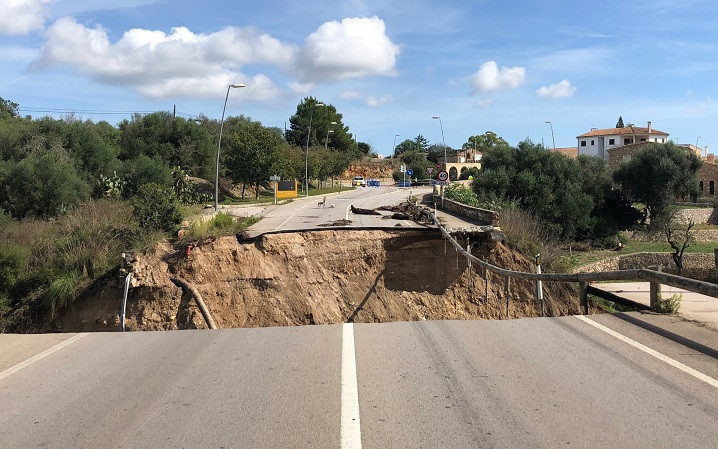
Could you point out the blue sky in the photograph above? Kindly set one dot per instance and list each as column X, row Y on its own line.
column 388, row 67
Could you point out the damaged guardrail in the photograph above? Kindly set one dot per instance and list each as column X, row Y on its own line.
column 656, row 278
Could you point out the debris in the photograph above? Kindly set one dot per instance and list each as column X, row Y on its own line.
column 341, row 222
column 359, row 211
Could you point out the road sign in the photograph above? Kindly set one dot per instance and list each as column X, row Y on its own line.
column 275, row 178
column 410, row 173
column 403, row 168
column 430, row 170
column 442, row 175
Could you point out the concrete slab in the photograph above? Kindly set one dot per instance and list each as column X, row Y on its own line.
column 694, row 306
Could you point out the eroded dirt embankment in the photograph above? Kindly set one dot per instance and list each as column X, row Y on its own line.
column 314, row 278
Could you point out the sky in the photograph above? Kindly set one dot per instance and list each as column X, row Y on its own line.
column 387, row 66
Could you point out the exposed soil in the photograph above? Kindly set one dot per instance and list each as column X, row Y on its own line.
column 320, row 277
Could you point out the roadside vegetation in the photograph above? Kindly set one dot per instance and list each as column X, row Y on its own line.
column 576, row 211
column 75, row 194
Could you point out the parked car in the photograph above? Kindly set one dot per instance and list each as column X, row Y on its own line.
column 358, row 181
column 372, row 183
column 406, row 183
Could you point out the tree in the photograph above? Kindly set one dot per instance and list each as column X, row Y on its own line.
column 252, row 152
column 408, row 146
column 553, row 187
column 619, row 123
column 43, row 184
column 321, row 119
column 657, row 174
column 677, row 234
column 156, row 208
column 8, row 109
column 484, row 142
column 364, row 147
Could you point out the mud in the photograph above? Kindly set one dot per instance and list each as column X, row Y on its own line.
column 320, row 277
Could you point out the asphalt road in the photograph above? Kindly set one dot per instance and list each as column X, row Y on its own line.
column 306, row 213
column 544, row 382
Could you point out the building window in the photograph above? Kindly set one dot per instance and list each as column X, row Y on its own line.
column 592, row 143
column 643, row 140
column 700, row 184
column 711, row 188
column 627, row 141
column 583, row 143
column 663, row 140
column 611, row 141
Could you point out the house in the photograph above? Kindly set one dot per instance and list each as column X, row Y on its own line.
column 708, row 177
column 597, row 142
column 569, row 152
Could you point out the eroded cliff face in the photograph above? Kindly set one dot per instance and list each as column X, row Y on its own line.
column 317, row 277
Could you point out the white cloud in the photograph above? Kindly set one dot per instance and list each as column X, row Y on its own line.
column 490, row 78
column 22, row 16
column 561, row 89
column 301, row 88
column 376, row 102
column 354, row 48
column 157, row 64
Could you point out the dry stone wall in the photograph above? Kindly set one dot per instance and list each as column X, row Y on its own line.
column 700, row 265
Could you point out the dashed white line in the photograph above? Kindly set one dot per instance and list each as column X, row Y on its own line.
column 43, row 354
column 676, row 364
column 350, row 426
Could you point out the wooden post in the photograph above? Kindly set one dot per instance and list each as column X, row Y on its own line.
column 715, row 254
column 655, row 290
column 507, row 282
column 583, row 296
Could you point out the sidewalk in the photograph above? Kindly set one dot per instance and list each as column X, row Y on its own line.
column 694, row 306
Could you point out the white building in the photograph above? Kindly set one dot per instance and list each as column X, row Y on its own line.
column 597, row 142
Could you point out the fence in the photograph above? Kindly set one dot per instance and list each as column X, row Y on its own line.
column 656, row 278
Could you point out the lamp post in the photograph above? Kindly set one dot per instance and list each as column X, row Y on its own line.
column 552, row 139
column 329, row 130
column 393, row 148
column 219, row 145
column 436, row 117
column 306, row 155
column 442, row 137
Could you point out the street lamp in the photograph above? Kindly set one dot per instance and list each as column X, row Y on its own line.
column 442, row 138
column 306, row 154
column 329, row 130
column 552, row 139
column 219, row 145
column 393, row 148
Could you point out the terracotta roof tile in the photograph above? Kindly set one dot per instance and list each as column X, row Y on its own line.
column 621, row 131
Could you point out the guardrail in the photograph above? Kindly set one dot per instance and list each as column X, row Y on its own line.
column 656, row 278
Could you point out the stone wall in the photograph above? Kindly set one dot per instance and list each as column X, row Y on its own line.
column 482, row 215
column 699, row 215
column 697, row 265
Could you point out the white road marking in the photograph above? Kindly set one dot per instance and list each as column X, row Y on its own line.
column 350, row 427
column 292, row 216
column 676, row 364
column 43, row 354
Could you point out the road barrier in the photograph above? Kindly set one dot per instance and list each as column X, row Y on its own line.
column 656, row 278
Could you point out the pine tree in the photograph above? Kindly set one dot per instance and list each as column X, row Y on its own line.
column 619, row 124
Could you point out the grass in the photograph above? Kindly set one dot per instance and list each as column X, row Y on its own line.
column 220, row 225
column 576, row 259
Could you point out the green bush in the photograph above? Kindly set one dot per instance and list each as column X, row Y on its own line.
column 156, row 208
column 670, row 305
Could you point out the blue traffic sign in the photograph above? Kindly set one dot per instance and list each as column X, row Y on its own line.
column 410, row 172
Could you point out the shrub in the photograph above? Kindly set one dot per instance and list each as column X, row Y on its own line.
column 156, row 208
column 670, row 305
